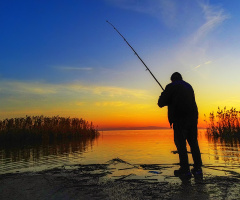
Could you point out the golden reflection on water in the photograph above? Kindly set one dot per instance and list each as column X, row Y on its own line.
column 227, row 148
column 139, row 146
column 132, row 146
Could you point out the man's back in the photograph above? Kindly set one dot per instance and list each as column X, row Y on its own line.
column 180, row 99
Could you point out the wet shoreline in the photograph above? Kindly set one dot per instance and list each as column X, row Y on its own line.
column 116, row 179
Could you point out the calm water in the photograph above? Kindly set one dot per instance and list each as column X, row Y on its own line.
column 133, row 146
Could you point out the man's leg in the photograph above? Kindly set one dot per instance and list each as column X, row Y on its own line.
column 180, row 142
column 193, row 143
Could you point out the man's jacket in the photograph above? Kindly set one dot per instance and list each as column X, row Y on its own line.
column 180, row 99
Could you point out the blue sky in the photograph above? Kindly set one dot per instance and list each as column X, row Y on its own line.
column 61, row 57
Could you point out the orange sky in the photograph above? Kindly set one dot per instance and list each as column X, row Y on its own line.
column 109, row 107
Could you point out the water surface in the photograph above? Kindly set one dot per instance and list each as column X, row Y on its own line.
column 133, row 146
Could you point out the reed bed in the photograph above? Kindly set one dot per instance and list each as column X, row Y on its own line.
column 225, row 123
column 41, row 128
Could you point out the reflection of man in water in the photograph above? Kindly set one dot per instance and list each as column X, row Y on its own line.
column 183, row 115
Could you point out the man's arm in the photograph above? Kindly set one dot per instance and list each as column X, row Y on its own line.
column 164, row 98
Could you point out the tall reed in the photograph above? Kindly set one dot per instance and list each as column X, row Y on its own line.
column 225, row 123
column 41, row 128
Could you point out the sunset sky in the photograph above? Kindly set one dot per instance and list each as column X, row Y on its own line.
column 60, row 57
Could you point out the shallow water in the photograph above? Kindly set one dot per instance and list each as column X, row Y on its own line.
column 132, row 146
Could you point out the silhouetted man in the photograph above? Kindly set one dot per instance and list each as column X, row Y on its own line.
column 183, row 115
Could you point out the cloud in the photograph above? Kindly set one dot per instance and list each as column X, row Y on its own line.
column 27, row 87
column 38, row 88
column 196, row 48
column 111, row 103
column 174, row 13
column 165, row 10
column 214, row 16
column 76, row 68
column 208, row 62
column 128, row 105
column 108, row 90
column 197, row 67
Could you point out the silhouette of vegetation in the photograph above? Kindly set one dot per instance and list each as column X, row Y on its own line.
column 225, row 123
column 44, row 129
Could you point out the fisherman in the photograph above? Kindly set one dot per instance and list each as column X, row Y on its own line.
column 183, row 115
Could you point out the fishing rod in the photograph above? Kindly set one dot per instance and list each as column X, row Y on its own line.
column 136, row 55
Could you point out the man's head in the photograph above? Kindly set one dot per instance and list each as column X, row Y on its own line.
column 176, row 77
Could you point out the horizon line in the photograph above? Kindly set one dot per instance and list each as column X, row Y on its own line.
column 138, row 128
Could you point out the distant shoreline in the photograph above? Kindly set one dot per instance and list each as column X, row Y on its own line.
column 138, row 128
